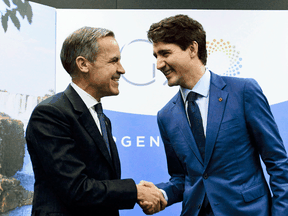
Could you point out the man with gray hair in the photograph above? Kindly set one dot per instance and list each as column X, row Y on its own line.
column 74, row 157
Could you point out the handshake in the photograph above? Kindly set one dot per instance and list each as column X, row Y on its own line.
column 150, row 198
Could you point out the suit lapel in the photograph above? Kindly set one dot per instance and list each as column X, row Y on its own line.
column 184, row 126
column 217, row 103
column 88, row 122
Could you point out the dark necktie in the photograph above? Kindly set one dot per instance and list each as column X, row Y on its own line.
column 198, row 133
column 99, row 110
column 196, row 122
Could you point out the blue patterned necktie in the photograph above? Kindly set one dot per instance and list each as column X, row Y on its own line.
column 196, row 122
column 99, row 110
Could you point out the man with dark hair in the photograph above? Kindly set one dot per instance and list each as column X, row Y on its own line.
column 74, row 157
column 214, row 130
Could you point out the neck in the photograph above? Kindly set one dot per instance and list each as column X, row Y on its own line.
column 191, row 78
column 85, row 86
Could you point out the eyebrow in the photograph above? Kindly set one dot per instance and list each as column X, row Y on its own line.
column 115, row 59
column 161, row 52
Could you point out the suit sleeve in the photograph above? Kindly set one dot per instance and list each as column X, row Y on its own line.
column 60, row 163
column 175, row 187
column 265, row 135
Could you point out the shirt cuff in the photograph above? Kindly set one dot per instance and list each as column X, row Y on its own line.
column 164, row 194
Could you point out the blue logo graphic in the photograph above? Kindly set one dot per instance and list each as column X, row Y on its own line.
column 153, row 64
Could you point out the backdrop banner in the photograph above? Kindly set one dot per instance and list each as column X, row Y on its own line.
column 240, row 43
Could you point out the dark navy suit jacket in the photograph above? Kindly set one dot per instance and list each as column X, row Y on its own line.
column 74, row 174
column 240, row 127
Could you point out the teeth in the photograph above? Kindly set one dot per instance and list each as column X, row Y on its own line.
column 167, row 72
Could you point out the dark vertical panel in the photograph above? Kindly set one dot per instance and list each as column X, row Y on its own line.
column 204, row 4
column 80, row 4
column 168, row 4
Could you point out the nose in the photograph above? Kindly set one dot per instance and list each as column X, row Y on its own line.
column 160, row 63
column 120, row 69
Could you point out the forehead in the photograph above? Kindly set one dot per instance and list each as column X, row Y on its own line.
column 108, row 44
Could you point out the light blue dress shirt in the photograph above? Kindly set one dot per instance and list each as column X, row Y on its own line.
column 202, row 88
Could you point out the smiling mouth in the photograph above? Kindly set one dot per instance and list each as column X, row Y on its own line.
column 166, row 73
column 116, row 79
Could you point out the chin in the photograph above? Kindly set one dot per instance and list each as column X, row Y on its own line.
column 170, row 84
column 115, row 92
column 111, row 93
column 172, row 81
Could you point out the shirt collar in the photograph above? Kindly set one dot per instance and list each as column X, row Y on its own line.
column 87, row 98
column 202, row 86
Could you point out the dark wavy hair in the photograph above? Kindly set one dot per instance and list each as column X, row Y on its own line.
column 82, row 42
column 182, row 31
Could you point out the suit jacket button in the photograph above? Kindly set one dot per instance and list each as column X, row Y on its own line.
column 199, row 206
column 205, row 176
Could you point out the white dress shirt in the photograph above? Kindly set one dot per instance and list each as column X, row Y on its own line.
column 90, row 102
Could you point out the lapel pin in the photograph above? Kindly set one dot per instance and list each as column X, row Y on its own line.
column 220, row 99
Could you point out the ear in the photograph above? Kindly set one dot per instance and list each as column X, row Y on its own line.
column 82, row 64
column 193, row 48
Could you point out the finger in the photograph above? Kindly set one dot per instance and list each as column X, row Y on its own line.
column 145, row 205
column 163, row 202
column 150, row 211
column 142, row 182
column 158, row 207
column 146, row 183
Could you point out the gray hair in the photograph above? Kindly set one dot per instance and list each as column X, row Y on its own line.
column 82, row 42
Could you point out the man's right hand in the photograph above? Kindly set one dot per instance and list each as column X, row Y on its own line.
column 150, row 198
